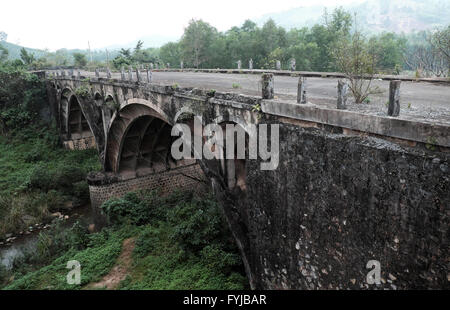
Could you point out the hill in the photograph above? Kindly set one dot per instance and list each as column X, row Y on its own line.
column 374, row 16
column 14, row 50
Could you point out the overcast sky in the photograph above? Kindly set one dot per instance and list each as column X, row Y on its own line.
column 55, row 24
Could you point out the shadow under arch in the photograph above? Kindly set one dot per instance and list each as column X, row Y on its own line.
column 77, row 124
column 139, row 140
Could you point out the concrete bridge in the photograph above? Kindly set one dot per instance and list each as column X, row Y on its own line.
column 350, row 186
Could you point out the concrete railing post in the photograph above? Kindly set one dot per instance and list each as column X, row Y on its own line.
column 71, row 72
column 239, row 64
column 97, row 73
column 250, row 64
column 267, row 86
column 156, row 66
column 301, row 90
column 149, row 75
column 342, row 95
column 182, row 65
column 278, row 66
column 122, row 73
column 168, row 65
column 63, row 73
column 130, row 74
column 108, row 73
column 79, row 74
column 293, row 64
column 138, row 74
column 394, row 98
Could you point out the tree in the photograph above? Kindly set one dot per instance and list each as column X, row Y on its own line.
column 388, row 48
column 195, row 42
column 353, row 57
column 428, row 53
column 27, row 58
column 80, row 60
column 3, row 54
column 3, row 36
column 170, row 53
column 440, row 41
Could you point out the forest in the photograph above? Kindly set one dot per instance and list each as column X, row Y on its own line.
column 422, row 54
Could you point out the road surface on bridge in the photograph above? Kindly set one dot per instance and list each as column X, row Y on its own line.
column 419, row 100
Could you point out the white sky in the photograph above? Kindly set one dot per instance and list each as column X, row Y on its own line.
column 55, row 24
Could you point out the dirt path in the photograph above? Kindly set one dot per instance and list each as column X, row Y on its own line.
column 120, row 270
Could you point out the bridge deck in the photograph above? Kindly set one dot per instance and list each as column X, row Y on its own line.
column 420, row 101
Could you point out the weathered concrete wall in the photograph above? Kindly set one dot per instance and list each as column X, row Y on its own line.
column 336, row 202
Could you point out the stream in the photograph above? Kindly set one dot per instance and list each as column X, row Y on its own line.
column 24, row 243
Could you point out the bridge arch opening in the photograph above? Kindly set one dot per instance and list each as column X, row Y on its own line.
column 146, row 147
column 77, row 123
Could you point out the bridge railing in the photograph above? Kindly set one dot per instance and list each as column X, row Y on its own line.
column 144, row 75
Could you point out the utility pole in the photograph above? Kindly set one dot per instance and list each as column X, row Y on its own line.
column 90, row 54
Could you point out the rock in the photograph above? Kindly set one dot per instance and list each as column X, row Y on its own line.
column 8, row 236
column 68, row 205
column 56, row 214
column 91, row 228
column 28, row 218
column 353, row 281
column 391, row 276
column 66, row 217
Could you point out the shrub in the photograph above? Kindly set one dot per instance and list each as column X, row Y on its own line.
column 196, row 223
column 128, row 209
column 147, row 241
column 41, row 178
column 80, row 193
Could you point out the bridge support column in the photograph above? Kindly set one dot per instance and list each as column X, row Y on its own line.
column 104, row 186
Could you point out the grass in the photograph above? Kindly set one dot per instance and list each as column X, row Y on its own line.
column 38, row 177
column 183, row 244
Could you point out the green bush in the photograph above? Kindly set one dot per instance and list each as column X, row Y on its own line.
column 196, row 223
column 81, row 193
column 147, row 241
column 41, row 178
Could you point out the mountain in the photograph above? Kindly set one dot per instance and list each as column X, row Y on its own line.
column 14, row 50
column 374, row 16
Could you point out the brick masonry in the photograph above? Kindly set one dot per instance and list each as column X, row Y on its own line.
column 80, row 144
column 190, row 176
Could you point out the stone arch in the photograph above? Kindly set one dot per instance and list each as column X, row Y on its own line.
column 138, row 139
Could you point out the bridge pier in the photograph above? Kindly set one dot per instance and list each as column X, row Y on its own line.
column 104, row 186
